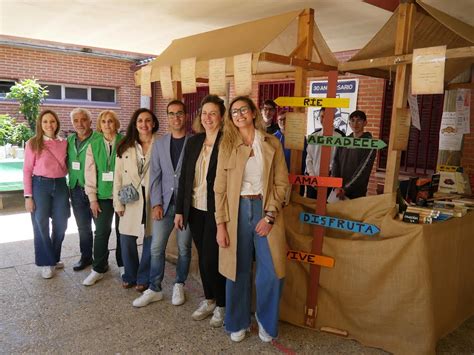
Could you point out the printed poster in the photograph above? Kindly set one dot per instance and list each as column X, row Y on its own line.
column 463, row 108
column 427, row 75
column 217, row 85
column 450, row 133
column 243, row 74
column 188, row 75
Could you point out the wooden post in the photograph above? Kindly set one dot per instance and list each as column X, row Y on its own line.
column 305, row 50
column 403, row 45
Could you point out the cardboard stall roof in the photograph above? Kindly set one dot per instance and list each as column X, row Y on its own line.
column 432, row 28
column 276, row 34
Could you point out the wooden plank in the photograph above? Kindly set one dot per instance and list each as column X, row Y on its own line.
column 347, row 142
column 316, row 181
column 338, row 223
column 309, row 258
column 294, row 61
column 403, row 45
column 284, row 101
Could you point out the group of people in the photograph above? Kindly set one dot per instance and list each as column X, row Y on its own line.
column 223, row 188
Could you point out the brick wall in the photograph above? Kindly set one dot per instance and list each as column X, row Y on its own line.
column 65, row 68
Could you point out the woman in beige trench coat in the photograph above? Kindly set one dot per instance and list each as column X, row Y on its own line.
column 250, row 189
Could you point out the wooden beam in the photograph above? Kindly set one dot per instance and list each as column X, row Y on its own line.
column 395, row 60
column 294, row 61
column 403, row 45
column 455, row 86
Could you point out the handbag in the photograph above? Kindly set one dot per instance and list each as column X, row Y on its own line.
column 129, row 193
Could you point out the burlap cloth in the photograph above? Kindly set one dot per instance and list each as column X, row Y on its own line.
column 400, row 290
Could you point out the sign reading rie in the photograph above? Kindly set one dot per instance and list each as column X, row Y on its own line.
column 284, row 101
column 321, row 181
column 337, row 223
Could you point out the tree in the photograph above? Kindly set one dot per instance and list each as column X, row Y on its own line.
column 30, row 95
column 13, row 132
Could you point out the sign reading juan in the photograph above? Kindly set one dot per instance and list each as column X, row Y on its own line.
column 321, row 181
column 348, row 142
column 312, row 102
column 342, row 224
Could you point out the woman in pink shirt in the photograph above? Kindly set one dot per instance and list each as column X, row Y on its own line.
column 46, row 192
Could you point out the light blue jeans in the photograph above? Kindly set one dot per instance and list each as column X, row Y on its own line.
column 267, row 285
column 161, row 234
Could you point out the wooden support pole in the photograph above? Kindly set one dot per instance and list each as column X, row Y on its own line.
column 403, row 45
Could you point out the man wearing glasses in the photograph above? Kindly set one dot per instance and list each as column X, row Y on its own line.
column 268, row 113
column 354, row 165
column 165, row 168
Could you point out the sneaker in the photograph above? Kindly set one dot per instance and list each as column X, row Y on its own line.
column 238, row 336
column 93, row 277
column 121, row 270
column 262, row 333
column 217, row 319
column 148, row 297
column 178, row 295
column 204, row 310
column 47, row 272
column 59, row 265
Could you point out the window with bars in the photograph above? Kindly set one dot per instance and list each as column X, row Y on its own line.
column 421, row 155
column 273, row 89
column 192, row 102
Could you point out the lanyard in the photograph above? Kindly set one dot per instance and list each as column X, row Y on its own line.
column 83, row 146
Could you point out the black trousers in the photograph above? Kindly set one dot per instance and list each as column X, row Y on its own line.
column 203, row 230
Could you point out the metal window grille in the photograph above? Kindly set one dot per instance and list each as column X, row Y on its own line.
column 192, row 102
column 273, row 89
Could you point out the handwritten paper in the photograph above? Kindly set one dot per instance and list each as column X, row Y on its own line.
column 295, row 130
column 450, row 135
column 166, row 83
column 243, row 74
column 145, row 81
column 463, row 108
column 217, row 77
column 428, row 70
column 402, row 129
column 414, row 111
column 188, row 75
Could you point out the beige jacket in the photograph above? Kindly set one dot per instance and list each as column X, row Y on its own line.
column 230, row 170
column 126, row 172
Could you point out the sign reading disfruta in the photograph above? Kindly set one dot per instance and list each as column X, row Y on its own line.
column 337, row 223
column 321, row 181
column 310, row 258
column 284, row 101
column 348, row 142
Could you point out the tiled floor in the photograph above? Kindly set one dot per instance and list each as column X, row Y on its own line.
column 62, row 316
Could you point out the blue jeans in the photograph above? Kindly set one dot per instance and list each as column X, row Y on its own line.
column 161, row 234
column 51, row 197
column 267, row 285
column 137, row 271
column 83, row 215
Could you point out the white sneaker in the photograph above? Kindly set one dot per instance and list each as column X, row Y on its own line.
column 59, row 265
column 92, row 278
column 204, row 310
column 238, row 336
column 178, row 295
column 147, row 297
column 262, row 333
column 217, row 319
column 121, row 270
column 47, row 272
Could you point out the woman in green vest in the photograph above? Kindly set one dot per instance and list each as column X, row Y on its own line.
column 99, row 181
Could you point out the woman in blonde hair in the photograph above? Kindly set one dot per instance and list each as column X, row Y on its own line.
column 45, row 190
column 250, row 189
column 99, row 182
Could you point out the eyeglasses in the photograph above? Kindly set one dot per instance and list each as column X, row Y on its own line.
column 243, row 111
column 178, row 114
column 212, row 114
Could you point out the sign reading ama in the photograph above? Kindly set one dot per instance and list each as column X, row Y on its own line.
column 321, row 181
column 337, row 223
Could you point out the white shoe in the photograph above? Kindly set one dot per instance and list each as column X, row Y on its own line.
column 178, row 295
column 92, row 278
column 147, row 297
column 262, row 333
column 204, row 310
column 238, row 336
column 47, row 272
column 59, row 265
column 121, row 270
column 217, row 319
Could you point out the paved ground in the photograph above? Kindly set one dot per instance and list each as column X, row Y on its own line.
column 62, row 316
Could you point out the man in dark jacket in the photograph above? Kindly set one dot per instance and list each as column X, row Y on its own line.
column 268, row 113
column 354, row 165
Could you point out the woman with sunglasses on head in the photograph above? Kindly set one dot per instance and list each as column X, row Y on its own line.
column 46, row 192
column 99, row 181
column 250, row 190
column 132, row 168
column 195, row 205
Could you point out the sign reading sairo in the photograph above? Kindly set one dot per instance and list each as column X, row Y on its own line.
column 348, row 142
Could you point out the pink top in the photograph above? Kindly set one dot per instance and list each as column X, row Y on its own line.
column 50, row 163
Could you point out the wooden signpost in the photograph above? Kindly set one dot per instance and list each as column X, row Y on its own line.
column 348, row 142
column 312, row 102
column 314, row 259
column 315, row 181
column 338, row 223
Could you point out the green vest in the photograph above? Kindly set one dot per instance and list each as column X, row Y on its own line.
column 104, row 163
column 74, row 157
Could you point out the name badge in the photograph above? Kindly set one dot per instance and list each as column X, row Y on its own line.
column 108, row 176
column 76, row 165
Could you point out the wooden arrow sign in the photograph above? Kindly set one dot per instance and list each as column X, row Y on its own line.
column 336, row 223
column 310, row 258
column 321, row 181
column 284, row 101
column 348, row 142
